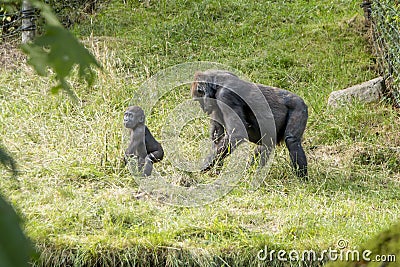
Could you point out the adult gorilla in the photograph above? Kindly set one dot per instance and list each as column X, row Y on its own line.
column 220, row 93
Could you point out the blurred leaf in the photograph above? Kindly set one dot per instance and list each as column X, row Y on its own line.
column 38, row 59
column 15, row 248
column 65, row 86
column 59, row 50
column 46, row 12
column 7, row 161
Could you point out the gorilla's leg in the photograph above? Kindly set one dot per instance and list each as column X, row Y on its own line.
column 140, row 163
column 295, row 127
column 156, row 155
column 261, row 154
column 148, row 167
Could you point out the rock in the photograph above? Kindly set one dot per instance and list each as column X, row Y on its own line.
column 370, row 91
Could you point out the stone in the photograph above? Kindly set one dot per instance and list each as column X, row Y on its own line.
column 367, row 92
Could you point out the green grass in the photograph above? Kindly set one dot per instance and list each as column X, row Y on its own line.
column 80, row 205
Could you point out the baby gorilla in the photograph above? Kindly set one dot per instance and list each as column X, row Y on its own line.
column 142, row 143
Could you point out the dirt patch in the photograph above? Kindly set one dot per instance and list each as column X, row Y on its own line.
column 332, row 154
column 11, row 56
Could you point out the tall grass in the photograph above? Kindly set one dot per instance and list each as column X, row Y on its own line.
column 81, row 207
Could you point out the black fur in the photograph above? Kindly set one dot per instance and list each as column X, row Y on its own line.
column 289, row 112
column 142, row 144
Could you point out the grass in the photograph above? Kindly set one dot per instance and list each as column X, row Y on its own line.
column 81, row 207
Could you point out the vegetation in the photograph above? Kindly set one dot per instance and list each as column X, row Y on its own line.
column 16, row 250
column 45, row 52
column 385, row 32
column 82, row 208
column 384, row 249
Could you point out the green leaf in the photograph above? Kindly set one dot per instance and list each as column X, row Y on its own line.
column 46, row 12
column 38, row 58
column 7, row 161
column 15, row 248
column 59, row 50
column 66, row 87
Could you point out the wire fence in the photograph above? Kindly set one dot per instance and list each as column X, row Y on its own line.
column 11, row 23
column 383, row 16
column 68, row 12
